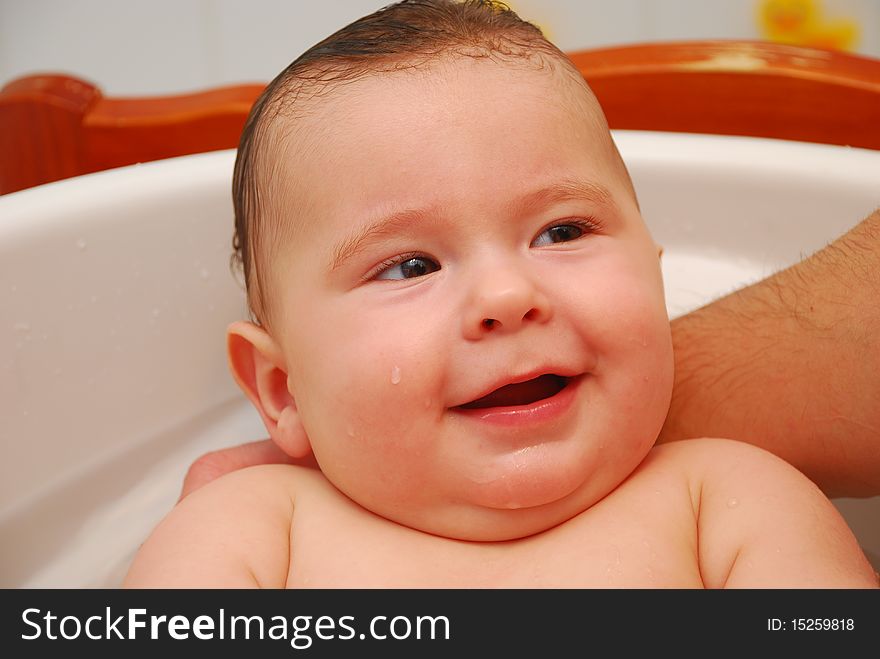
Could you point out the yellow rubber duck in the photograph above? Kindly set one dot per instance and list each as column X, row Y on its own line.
column 804, row 23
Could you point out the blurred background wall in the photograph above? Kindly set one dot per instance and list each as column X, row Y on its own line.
column 133, row 48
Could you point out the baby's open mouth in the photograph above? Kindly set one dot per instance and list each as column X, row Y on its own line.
column 521, row 393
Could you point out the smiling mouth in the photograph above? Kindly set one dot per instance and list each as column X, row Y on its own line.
column 521, row 393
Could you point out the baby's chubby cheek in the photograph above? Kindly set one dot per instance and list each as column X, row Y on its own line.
column 624, row 320
column 370, row 424
column 370, row 381
column 644, row 368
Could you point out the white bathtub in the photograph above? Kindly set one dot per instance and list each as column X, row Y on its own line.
column 115, row 292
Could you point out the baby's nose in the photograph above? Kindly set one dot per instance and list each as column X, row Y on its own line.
column 504, row 301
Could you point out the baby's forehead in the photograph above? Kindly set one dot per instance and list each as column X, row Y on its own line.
column 315, row 128
column 310, row 116
column 313, row 102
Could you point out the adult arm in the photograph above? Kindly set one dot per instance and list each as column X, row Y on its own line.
column 792, row 364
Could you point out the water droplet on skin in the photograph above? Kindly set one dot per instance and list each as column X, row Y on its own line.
column 155, row 313
column 732, row 503
column 81, row 244
column 25, row 412
column 395, row 375
column 94, row 299
column 13, row 288
column 349, row 431
column 204, row 274
column 58, row 371
column 22, row 327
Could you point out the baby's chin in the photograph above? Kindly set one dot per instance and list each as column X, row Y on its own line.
column 508, row 513
column 531, row 482
column 477, row 524
column 540, row 494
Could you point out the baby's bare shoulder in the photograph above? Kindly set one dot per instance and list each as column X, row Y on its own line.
column 271, row 479
column 696, row 454
column 761, row 522
column 232, row 532
column 732, row 472
column 694, row 461
column 726, row 467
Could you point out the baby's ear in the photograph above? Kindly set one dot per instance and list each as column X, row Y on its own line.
column 257, row 364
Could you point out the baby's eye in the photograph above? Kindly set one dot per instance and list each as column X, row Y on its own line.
column 559, row 233
column 407, row 268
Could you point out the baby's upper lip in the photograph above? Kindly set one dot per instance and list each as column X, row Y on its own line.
column 562, row 371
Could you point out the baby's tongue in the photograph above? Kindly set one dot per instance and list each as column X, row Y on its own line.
column 522, row 393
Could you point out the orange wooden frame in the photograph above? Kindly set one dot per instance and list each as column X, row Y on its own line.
column 54, row 126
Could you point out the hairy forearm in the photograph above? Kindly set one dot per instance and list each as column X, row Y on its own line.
column 792, row 364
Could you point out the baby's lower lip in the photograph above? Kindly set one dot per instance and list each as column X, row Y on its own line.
column 540, row 411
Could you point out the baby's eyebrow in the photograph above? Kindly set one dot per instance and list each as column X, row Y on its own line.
column 395, row 222
column 386, row 225
column 563, row 190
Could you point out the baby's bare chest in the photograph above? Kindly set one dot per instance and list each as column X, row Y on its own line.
column 333, row 548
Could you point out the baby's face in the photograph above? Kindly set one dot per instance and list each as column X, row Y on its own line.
column 471, row 314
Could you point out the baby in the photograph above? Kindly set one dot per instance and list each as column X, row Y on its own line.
column 461, row 332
